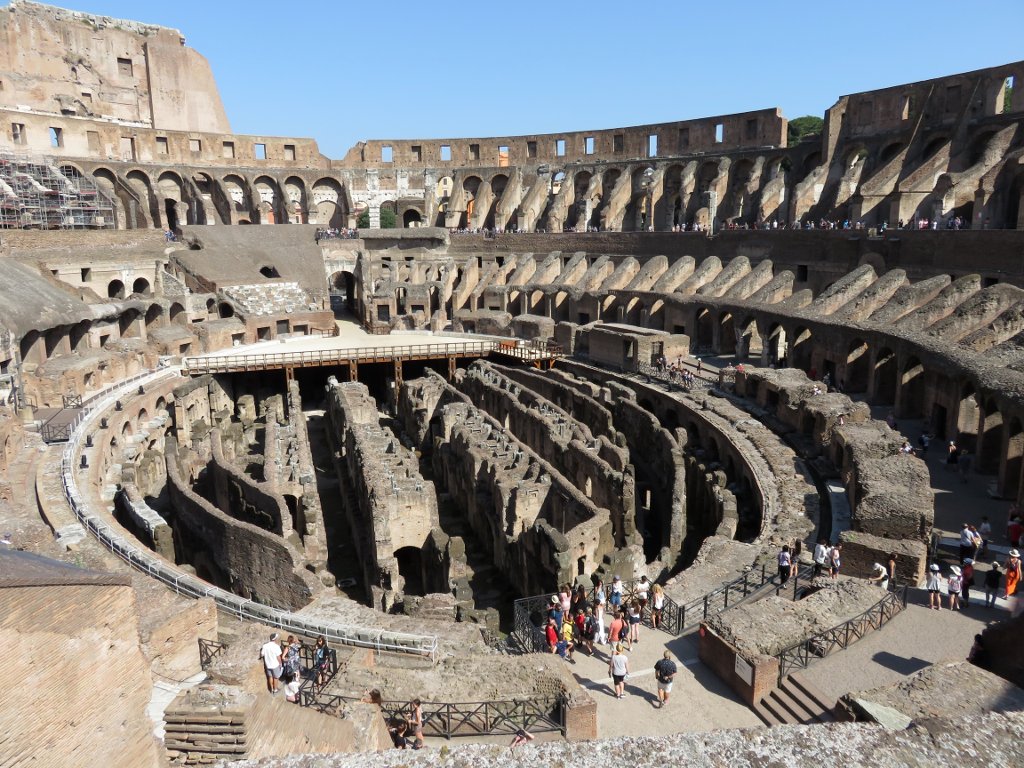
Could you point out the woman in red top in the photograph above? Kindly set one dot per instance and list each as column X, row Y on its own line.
column 551, row 635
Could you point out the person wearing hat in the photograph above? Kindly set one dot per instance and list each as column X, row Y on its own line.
column 968, row 581
column 1012, row 573
column 992, row 579
column 934, row 586
column 880, row 576
column 616, row 596
column 555, row 611
column 953, row 586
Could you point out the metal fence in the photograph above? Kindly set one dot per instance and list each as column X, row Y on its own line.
column 190, row 586
column 799, row 655
column 455, row 719
column 208, row 651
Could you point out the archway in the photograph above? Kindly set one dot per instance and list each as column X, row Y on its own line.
column 705, row 330
column 990, row 437
column 777, row 347
column 115, row 290
column 177, row 314
column 224, row 309
column 911, row 393
column 858, row 367
column 343, row 292
column 800, row 349
column 968, row 415
column 141, row 287
column 885, row 377
column 411, row 218
column 410, row 567
column 727, row 335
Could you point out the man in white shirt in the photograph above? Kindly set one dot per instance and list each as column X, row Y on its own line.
column 820, row 557
column 271, row 655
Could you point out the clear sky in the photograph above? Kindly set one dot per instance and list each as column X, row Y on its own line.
column 343, row 71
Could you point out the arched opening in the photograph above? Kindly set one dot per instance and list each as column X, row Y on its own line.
column 177, row 314
column 115, row 290
column 858, row 367
column 498, row 184
column 777, row 347
column 727, row 335
column 141, row 287
column 800, row 350
column 933, row 146
column 885, row 377
column 33, row 349
column 343, row 292
column 412, row 218
column 968, row 415
column 911, row 393
column 153, row 315
column 990, row 437
column 269, row 271
column 410, row 568
column 750, row 343
column 171, row 212
column 126, row 431
column 705, row 331
column 143, row 417
column 224, row 309
column 890, row 151
column 1009, row 473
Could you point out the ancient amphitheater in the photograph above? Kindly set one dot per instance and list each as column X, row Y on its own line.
column 662, row 351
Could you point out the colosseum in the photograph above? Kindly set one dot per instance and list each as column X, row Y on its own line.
column 442, row 394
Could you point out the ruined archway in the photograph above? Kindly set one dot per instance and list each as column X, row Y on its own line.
column 911, row 392
column 857, row 369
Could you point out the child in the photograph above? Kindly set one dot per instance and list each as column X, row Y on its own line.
column 968, row 581
column 953, row 586
column 934, row 586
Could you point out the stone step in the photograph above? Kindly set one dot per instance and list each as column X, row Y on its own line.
column 795, row 702
column 823, row 705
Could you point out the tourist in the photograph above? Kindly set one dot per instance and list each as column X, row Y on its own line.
column 321, row 659
column 835, row 561
column 566, row 645
column 657, row 605
column 643, row 588
column 664, row 671
column 618, row 631
column 992, row 580
column 967, row 581
column 589, row 631
column 953, row 585
column 952, row 454
column 821, row 557
column 892, row 569
column 905, row 448
column 985, row 531
column 1012, row 573
column 291, row 689
column 618, row 668
column 399, row 730
column 417, row 723
column 785, row 561
column 967, row 548
column 565, row 598
column 271, row 655
column 934, row 586
column 600, row 599
column 521, row 737
column 794, row 558
column 292, row 659
column 880, row 576
column 579, row 600
column 555, row 610
column 616, row 596
column 551, row 635
column 1014, row 530
column 634, row 616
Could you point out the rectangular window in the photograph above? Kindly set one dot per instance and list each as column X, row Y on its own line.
column 417, row 153
column 18, row 133
column 228, row 149
column 953, row 98
column 127, row 147
column 618, row 143
column 1008, row 94
column 719, row 133
column 86, row 275
column 124, row 67
column 446, row 153
column 93, row 138
column 531, row 149
column 56, row 137
column 474, row 151
column 752, row 129
column 289, row 152
column 387, row 154
column 652, row 145
column 161, row 145
column 260, row 151
column 683, row 139
column 801, row 273
column 588, row 145
column 196, row 145
column 502, row 157
column 87, row 97
column 560, row 147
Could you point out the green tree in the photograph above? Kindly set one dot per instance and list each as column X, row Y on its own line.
column 388, row 219
column 801, row 127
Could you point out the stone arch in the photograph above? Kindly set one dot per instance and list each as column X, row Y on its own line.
column 115, row 289
column 32, row 347
column 705, row 329
column 911, row 390
column 410, row 568
column 885, row 377
column 141, row 287
column 236, row 197
column 856, row 375
column 295, row 202
column 890, row 150
column 172, row 191
column 933, row 144
column 153, row 315
column 801, row 348
column 145, row 200
column 411, row 218
column 210, row 204
column 269, row 203
column 176, row 314
column 726, row 334
column 967, row 417
column 777, row 346
column 989, row 437
column 224, row 309
column 328, row 202
column 108, row 183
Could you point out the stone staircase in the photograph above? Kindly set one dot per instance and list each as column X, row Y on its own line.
column 795, row 702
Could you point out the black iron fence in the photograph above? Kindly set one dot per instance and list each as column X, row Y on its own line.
column 799, row 655
column 454, row 719
column 208, row 651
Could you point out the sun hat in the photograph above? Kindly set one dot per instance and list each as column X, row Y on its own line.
column 933, row 567
column 554, row 598
column 1014, row 553
column 955, row 569
column 616, row 579
column 968, row 561
column 879, row 567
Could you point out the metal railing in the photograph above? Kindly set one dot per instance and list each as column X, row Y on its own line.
column 185, row 584
column 455, row 719
column 208, row 651
column 820, row 645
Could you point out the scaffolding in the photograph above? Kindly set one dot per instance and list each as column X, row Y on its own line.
column 37, row 194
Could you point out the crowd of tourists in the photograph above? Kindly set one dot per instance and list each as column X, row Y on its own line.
column 333, row 233
column 284, row 667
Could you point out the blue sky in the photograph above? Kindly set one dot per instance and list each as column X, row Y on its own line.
column 342, row 71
